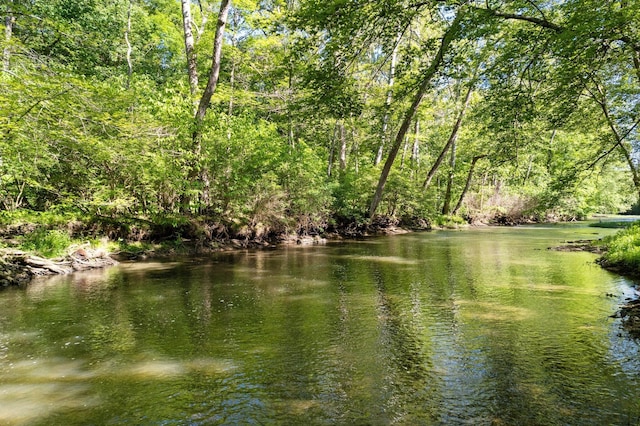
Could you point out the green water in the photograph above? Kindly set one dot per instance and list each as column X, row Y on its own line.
column 484, row 326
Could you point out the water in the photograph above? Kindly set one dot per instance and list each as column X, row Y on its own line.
column 482, row 327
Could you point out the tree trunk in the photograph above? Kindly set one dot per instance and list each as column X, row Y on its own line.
column 203, row 22
column 404, row 127
column 355, row 149
column 387, row 103
column 446, row 207
column 467, row 184
column 625, row 151
column 8, row 32
column 189, row 47
column 214, row 74
column 451, row 141
column 232, row 74
column 126, row 39
column 343, row 146
column 290, row 135
column 404, row 152
column 415, row 151
column 528, row 173
column 332, row 149
column 195, row 171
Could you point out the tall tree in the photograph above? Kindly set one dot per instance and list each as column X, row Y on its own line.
column 8, row 31
column 451, row 141
column 449, row 36
column 214, row 72
column 189, row 47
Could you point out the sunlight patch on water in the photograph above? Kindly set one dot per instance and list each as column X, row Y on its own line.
column 211, row 366
column 491, row 311
column 41, row 370
column 384, row 259
column 157, row 369
column 163, row 369
column 149, row 266
column 22, row 404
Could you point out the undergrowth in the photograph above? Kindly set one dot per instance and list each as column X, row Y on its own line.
column 623, row 250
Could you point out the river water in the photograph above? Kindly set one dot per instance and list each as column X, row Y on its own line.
column 483, row 326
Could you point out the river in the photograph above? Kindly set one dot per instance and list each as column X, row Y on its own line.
column 484, row 326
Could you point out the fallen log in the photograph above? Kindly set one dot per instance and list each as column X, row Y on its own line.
column 17, row 267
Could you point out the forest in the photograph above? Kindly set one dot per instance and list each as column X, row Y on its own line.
column 143, row 119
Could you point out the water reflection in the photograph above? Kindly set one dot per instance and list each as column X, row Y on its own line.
column 478, row 327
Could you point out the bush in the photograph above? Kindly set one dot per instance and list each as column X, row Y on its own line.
column 623, row 250
column 47, row 243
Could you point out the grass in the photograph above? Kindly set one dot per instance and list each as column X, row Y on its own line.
column 623, row 250
column 47, row 243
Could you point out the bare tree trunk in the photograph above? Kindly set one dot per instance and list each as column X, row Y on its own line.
column 232, row 82
column 404, row 152
column 214, row 74
column 195, row 171
column 232, row 76
column 625, row 151
column 343, row 146
column 355, row 149
column 467, row 184
column 332, row 149
column 446, row 207
column 601, row 99
column 290, row 134
column 451, row 141
column 415, row 151
column 529, row 167
column 189, row 47
column 126, row 39
column 204, row 18
column 8, row 33
column 635, row 54
column 404, row 127
column 387, row 103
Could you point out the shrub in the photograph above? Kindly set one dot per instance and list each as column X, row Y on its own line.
column 47, row 243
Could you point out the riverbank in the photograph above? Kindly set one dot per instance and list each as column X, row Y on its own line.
column 34, row 249
column 19, row 267
column 29, row 249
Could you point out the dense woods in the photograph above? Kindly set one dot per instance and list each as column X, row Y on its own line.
column 253, row 118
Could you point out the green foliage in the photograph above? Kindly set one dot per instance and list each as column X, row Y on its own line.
column 51, row 218
column 623, row 249
column 81, row 138
column 47, row 243
column 449, row 222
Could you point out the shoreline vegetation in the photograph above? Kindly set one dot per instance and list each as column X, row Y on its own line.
column 35, row 244
column 41, row 245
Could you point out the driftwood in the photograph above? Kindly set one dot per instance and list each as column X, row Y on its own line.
column 17, row 267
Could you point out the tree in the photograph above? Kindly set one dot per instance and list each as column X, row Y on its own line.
column 449, row 36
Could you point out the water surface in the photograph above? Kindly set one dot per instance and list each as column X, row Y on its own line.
column 484, row 326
